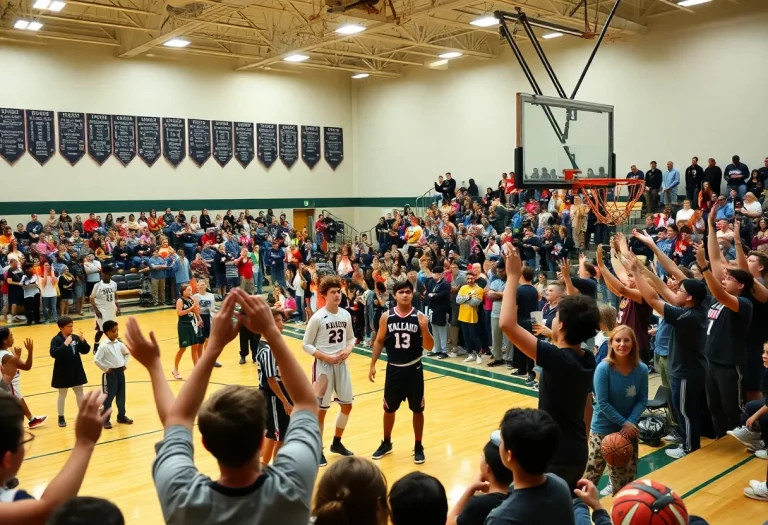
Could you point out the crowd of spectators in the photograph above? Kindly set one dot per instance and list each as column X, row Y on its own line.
column 454, row 256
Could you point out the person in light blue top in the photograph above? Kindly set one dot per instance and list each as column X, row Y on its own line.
column 669, row 184
column 621, row 393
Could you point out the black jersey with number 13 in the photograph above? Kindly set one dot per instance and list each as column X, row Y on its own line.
column 403, row 342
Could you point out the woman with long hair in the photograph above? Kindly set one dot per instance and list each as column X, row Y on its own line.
column 761, row 236
column 705, row 198
column 621, row 392
column 187, row 310
column 353, row 491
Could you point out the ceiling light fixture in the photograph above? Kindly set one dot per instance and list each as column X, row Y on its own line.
column 552, row 35
column 34, row 26
column 360, row 75
column 486, row 21
column 438, row 63
column 57, row 6
column 296, row 58
column 21, row 24
column 41, row 4
column 451, row 54
column 350, row 29
column 177, row 42
column 689, row 3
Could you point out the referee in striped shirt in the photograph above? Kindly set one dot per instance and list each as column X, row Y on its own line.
column 278, row 402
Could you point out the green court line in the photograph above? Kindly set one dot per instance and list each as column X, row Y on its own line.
column 434, row 367
column 724, row 473
column 443, row 363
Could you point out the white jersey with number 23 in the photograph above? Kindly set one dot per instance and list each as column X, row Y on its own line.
column 329, row 333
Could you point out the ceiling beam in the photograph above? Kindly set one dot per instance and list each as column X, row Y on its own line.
column 49, row 35
column 364, row 56
column 371, row 30
column 92, row 22
column 428, row 45
column 681, row 8
column 212, row 14
column 112, row 7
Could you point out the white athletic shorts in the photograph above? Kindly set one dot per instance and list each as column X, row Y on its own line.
column 15, row 388
column 106, row 315
column 339, row 385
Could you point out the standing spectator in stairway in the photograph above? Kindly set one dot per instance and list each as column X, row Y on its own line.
column 694, row 176
column 653, row 180
column 736, row 175
column 713, row 175
column 669, row 184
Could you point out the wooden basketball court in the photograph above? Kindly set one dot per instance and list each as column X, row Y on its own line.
column 464, row 404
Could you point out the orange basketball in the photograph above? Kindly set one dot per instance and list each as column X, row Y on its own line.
column 646, row 502
column 616, row 449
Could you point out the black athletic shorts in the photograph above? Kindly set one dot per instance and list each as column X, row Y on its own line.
column 277, row 419
column 404, row 383
column 204, row 332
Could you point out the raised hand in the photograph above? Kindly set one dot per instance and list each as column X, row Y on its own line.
column 643, row 237
column 146, row 352
column 90, row 419
column 256, row 314
column 29, row 344
column 223, row 330
column 599, row 254
column 701, row 259
column 514, row 265
column 565, row 265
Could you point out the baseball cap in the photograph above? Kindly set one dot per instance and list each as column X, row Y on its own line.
column 695, row 288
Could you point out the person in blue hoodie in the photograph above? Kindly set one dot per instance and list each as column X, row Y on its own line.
column 276, row 261
column 157, row 270
column 621, row 393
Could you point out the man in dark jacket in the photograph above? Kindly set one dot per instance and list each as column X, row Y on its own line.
column 447, row 187
column 438, row 300
column 714, row 176
column 694, row 175
column 736, row 176
column 653, row 180
column 68, row 371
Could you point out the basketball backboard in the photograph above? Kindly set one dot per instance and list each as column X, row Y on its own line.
column 556, row 134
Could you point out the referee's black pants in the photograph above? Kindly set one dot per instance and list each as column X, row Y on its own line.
column 113, row 384
column 725, row 396
column 248, row 338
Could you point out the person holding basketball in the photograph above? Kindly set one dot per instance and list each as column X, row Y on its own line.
column 403, row 331
column 621, row 392
column 329, row 338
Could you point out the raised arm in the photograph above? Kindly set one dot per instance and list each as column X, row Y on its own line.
column 645, row 289
column 187, row 404
column 519, row 336
column 147, row 352
column 614, row 284
column 741, row 258
column 714, row 284
column 426, row 337
column 713, row 248
column 68, row 481
column 565, row 269
column 258, row 318
column 667, row 264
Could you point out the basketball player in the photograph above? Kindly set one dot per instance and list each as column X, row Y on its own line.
column 329, row 339
column 104, row 302
column 404, row 332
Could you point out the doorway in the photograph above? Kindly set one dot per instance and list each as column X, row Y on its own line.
column 302, row 218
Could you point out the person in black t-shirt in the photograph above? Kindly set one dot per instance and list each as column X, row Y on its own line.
column 493, row 482
column 685, row 312
column 567, row 369
column 730, row 313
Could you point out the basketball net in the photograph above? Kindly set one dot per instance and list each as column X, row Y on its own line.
column 611, row 200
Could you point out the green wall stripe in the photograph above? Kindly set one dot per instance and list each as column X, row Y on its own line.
column 195, row 205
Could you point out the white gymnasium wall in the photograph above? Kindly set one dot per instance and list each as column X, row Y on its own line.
column 695, row 85
column 94, row 81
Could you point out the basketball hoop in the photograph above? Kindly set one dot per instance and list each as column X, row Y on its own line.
column 611, row 200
